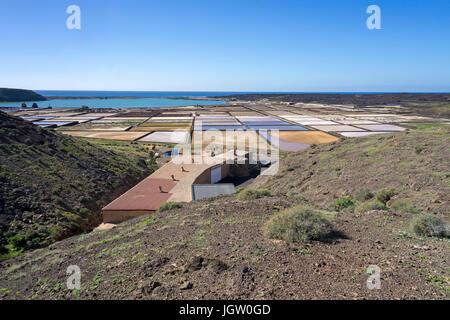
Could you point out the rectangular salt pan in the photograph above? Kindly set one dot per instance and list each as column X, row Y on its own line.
column 197, row 124
column 166, row 137
column 336, row 128
column 359, row 134
column 219, row 128
column 381, row 127
column 58, row 124
column 280, row 128
column 267, row 123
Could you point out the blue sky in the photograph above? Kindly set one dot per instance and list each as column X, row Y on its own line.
column 212, row 45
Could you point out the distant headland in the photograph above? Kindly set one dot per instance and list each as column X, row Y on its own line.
column 19, row 95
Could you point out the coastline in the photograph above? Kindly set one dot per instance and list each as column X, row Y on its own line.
column 128, row 97
column 115, row 102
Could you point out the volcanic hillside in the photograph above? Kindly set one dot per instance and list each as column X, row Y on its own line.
column 311, row 233
column 53, row 185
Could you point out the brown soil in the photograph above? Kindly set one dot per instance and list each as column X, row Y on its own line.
column 218, row 247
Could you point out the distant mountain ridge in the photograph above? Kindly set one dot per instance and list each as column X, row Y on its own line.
column 18, row 95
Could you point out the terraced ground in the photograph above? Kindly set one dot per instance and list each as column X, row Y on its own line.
column 218, row 248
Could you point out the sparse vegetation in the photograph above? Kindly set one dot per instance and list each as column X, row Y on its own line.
column 384, row 195
column 418, row 149
column 52, row 185
column 169, row 205
column 372, row 205
column 251, row 194
column 146, row 258
column 379, row 162
column 438, row 109
column 429, row 225
column 363, row 194
column 344, row 204
column 299, row 224
column 403, row 206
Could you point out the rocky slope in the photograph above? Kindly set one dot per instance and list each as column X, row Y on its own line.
column 217, row 248
column 415, row 162
column 53, row 185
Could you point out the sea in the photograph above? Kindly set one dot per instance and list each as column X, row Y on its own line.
column 134, row 99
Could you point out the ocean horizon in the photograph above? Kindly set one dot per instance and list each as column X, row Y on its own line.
column 134, row 94
column 140, row 99
column 178, row 94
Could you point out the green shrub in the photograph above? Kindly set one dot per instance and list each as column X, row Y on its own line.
column 18, row 241
column 384, row 195
column 55, row 233
column 338, row 171
column 169, row 205
column 238, row 190
column 363, row 194
column 299, row 224
column 85, row 200
column 69, row 215
column 372, row 205
column 344, row 204
column 74, row 227
column 418, row 149
column 251, row 194
column 36, row 241
column 300, row 198
column 403, row 206
column 429, row 225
